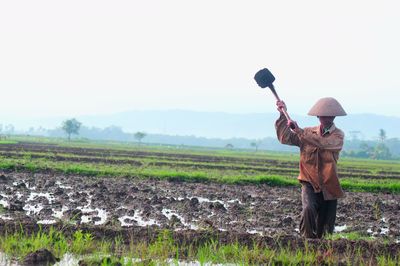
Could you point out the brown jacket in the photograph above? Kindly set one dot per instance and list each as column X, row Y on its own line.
column 318, row 156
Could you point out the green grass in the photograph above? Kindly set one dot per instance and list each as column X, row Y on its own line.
column 356, row 236
column 164, row 249
column 371, row 185
column 132, row 146
column 8, row 142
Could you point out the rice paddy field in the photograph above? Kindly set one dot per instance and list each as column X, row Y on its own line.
column 88, row 203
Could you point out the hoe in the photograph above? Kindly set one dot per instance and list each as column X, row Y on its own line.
column 264, row 78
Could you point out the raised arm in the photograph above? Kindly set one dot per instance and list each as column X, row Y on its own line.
column 284, row 133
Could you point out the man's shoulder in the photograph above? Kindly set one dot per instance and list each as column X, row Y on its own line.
column 338, row 131
column 311, row 129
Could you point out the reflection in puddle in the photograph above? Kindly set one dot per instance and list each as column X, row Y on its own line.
column 138, row 219
column 169, row 213
column 35, row 195
column 340, row 228
column 68, row 260
column 32, row 209
column 60, row 185
column 253, row 232
column 71, row 260
column 59, row 214
column 384, row 231
column 3, row 201
column 90, row 214
column 202, row 199
column 46, row 222
column 385, row 228
column 5, row 217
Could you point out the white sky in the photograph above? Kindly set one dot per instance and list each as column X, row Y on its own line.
column 94, row 57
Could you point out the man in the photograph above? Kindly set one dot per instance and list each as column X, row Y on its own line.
column 319, row 153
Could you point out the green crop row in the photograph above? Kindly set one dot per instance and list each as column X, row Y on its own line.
column 166, row 173
column 167, row 149
column 242, row 166
column 119, row 150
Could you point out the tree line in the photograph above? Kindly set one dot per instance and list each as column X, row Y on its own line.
column 353, row 148
column 382, row 148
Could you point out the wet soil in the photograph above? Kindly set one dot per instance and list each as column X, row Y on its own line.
column 136, row 203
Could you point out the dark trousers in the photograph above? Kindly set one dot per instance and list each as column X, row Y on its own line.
column 318, row 215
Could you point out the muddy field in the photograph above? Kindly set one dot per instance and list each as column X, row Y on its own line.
column 36, row 193
column 131, row 203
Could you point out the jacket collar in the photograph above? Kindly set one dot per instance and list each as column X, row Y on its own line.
column 327, row 131
column 317, row 130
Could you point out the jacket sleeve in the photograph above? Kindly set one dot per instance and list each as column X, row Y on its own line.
column 333, row 143
column 284, row 134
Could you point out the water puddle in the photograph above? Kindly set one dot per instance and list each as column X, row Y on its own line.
column 68, row 260
column 90, row 214
column 340, row 228
column 254, row 232
column 138, row 219
column 73, row 260
column 169, row 213
column 60, row 185
column 59, row 213
column 46, row 222
column 32, row 209
column 202, row 200
column 384, row 231
column 6, row 261
column 35, row 195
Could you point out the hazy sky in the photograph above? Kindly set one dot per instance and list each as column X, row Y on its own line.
column 94, row 57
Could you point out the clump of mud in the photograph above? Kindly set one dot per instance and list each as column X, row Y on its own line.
column 41, row 257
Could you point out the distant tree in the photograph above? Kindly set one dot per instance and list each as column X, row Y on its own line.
column 41, row 130
column 71, row 126
column 139, row 136
column 255, row 145
column 229, row 146
column 112, row 132
column 381, row 151
column 9, row 129
column 382, row 135
column 355, row 134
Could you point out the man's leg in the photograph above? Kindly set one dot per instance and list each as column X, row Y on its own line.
column 326, row 218
column 308, row 227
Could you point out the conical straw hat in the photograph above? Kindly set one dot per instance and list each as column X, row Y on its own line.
column 327, row 107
